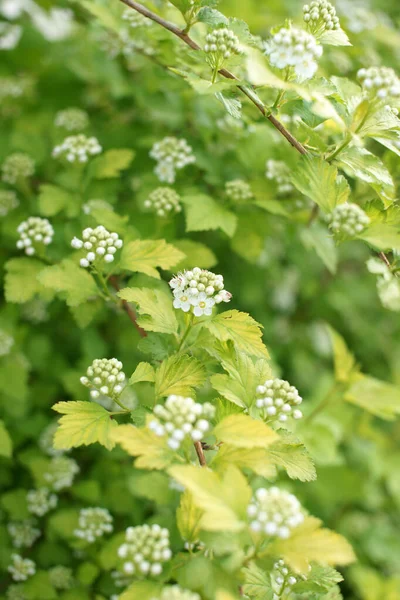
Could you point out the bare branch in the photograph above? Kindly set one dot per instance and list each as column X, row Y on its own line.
column 200, row 454
column 128, row 309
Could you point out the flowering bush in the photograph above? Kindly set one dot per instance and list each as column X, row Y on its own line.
column 201, row 271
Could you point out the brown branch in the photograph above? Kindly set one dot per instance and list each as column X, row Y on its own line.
column 200, row 454
column 247, row 91
column 385, row 259
column 128, row 309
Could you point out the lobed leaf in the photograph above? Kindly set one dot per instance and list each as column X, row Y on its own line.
column 83, row 423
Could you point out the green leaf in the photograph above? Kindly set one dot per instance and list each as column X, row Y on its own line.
column 320, row 577
column 109, row 219
column 255, row 459
column 382, row 236
column 244, row 432
column 360, row 164
column 203, row 214
column 241, row 328
column 70, row 279
column 377, row 397
column 21, row 282
column 195, row 254
column 318, row 238
column 83, row 423
column 188, row 517
column 179, row 374
column 319, row 180
column 53, row 199
column 5, row 441
column 257, row 583
column 111, row 163
column 345, row 362
column 239, row 386
column 155, row 308
column 102, row 13
column 143, row 372
column 151, row 450
column 145, row 255
column 334, row 37
column 211, row 17
column 293, row 456
column 141, row 590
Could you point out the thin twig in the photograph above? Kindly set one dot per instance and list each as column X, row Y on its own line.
column 128, row 309
column 247, row 91
column 200, row 454
column 385, row 259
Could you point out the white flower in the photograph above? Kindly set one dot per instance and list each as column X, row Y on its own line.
column 21, row 568
column 182, row 300
column 41, row 501
column 238, row 190
column 46, row 440
column 282, row 579
column 105, row 377
column 274, row 512
column 61, row 472
column 320, row 15
column 348, row 220
column 93, row 524
column 278, row 171
column 100, row 244
column 202, row 304
column 77, row 148
column 163, row 201
column 175, row 592
column 34, row 234
column 9, row 35
column 135, row 19
column 380, row 82
column 17, row 166
column 198, row 290
column 8, row 201
column 23, row 533
column 144, row 551
column 276, row 398
column 171, row 155
column 220, row 45
column 72, row 119
column 295, row 48
column 61, row 577
column 55, row 24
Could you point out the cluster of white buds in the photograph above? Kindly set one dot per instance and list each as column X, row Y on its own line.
column 348, row 219
column 21, row 568
column 278, row 171
column 16, row 592
column 34, row 234
column 61, row 577
column 163, row 201
column 100, row 243
column 23, row 533
column 8, row 201
column 14, row 87
column 6, row 343
column 282, row 579
column 380, row 82
column 219, row 47
column 181, row 417
column 46, row 440
column 104, row 376
column 72, row 119
column 41, row 501
column 175, row 592
column 276, row 399
column 171, row 155
column 77, row 148
column 198, row 290
column 296, row 49
column 135, row 19
column 319, row 16
column 238, row 190
column 61, row 472
column 16, row 167
column 145, row 550
column 93, row 524
column 274, row 512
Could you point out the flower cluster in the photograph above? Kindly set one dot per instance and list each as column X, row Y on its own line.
column 23, row 533
column 198, row 290
column 175, row 592
column 163, row 200
column 21, row 568
column 238, row 190
column 17, row 166
column 276, row 398
column 61, row 577
column 348, row 219
column 387, row 283
column 41, row 501
column 294, row 48
column 72, row 119
column 104, row 376
column 93, row 524
column 145, row 549
column 181, row 417
column 34, row 234
column 319, row 16
column 380, row 82
column 282, row 579
column 61, row 472
column 274, row 512
column 46, row 440
column 16, row 592
column 6, row 343
column 77, row 148
column 219, row 47
column 278, row 171
column 8, row 201
column 100, row 243
column 171, row 155
column 14, row 87
column 135, row 19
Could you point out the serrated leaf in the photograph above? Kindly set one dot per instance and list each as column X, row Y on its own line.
column 188, row 517
column 211, row 17
column 244, row 432
column 179, row 374
column 143, row 372
column 109, row 219
column 382, row 236
column 67, row 277
column 377, row 397
column 21, row 282
column 53, row 199
column 293, row 456
column 319, row 180
column 309, row 543
column 345, row 362
column 241, row 328
column 151, row 450
column 232, row 105
column 83, row 423
column 203, row 214
column 320, row 577
column 334, row 37
column 255, row 459
column 144, row 256
column 5, row 441
column 111, row 163
column 155, row 309
column 195, row 254
column 257, row 583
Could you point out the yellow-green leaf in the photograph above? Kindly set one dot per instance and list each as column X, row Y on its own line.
column 154, row 307
column 293, row 456
column 83, row 423
column 203, row 213
column 111, row 163
column 319, row 180
column 21, row 282
column 188, row 517
column 145, row 255
column 242, row 329
column 255, row 459
column 244, row 432
column 377, row 397
column 67, row 277
column 5, row 441
column 143, row 372
column 151, row 450
column 345, row 363
column 179, row 374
